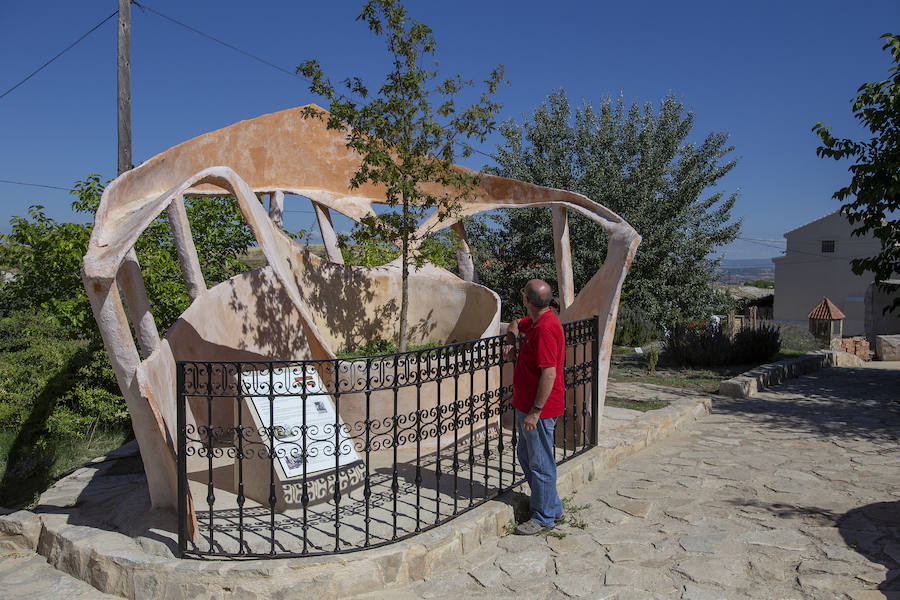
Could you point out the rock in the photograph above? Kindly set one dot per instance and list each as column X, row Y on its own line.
column 785, row 539
column 767, row 568
column 635, row 508
column 532, row 563
column 887, row 347
column 873, row 595
column 626, row 552
column 787, row 486
column 572, row 544
column 708, row 542
column 24, row 524
column 487, row 575
column 694, row 592
column 619, row 575
column 825, row 581
column 520, row 543
column 794, row 474
column 832, row 567
column 577, row 587
column 719, row 571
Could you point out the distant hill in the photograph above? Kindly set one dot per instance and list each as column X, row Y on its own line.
column 254, row 257
column 740, row 270
column 746, row 263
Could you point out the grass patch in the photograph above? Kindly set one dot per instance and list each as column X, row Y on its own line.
column 627, row 365
column 641, row 405
column 22, row 490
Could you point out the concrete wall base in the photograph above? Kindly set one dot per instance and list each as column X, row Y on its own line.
column 758, row 379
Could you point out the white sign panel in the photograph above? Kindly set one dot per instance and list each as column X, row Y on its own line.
column 288, row 416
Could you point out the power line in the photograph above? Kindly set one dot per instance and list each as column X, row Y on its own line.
column 66, row 49
column 257, row 58
column 40, row 185
column 217, row 40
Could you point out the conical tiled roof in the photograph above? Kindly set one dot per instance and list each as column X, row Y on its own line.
column 826, row 311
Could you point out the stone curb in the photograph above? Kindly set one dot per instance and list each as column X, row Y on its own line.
column 117, row 564
column 748, row 384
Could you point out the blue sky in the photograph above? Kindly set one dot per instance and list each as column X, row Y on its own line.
column 764, row 72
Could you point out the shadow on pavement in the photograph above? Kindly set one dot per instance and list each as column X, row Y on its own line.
column 873, row 530
column 839, row 402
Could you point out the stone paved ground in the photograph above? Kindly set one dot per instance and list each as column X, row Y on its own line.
column 792, row 494
column 26, row 575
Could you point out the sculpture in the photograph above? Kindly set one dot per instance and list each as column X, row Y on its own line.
column 299, row 306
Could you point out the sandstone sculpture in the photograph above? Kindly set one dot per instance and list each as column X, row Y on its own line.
column 298, row 306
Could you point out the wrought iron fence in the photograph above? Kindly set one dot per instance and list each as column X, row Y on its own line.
column 301, row 458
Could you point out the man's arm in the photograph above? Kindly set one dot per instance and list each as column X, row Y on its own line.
column 545, row 386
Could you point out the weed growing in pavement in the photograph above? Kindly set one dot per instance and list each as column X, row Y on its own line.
column 573, row 512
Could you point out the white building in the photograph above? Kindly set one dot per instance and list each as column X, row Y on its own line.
column 816, row 264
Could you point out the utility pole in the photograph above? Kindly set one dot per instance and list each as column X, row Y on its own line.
column 129, row 277
column 124, row 84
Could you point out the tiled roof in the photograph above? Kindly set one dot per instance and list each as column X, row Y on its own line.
column 826, row 310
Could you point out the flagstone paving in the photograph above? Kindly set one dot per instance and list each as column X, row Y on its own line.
column 794, row 493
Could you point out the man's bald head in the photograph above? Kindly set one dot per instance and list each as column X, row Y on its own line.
column 538, row 293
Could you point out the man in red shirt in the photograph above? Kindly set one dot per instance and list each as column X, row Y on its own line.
column 539, row 398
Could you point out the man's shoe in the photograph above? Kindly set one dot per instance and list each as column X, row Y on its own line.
column 530, row 527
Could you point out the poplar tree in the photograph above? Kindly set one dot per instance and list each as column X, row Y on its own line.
column 639, row 162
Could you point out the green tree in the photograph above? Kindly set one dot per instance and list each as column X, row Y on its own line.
column 45, row 257
column 639, row 163
column 406, row 132
column 872, row 198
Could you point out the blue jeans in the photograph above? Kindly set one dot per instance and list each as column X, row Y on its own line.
column 535, row 452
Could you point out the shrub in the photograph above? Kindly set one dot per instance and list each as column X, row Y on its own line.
column 711, row 346
column 755, row 345
column 54, row 392
column 795, row 337
column 634, row 328
column 694, row 346
column 652, row 359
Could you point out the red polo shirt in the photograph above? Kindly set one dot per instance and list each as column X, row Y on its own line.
column 544, row 346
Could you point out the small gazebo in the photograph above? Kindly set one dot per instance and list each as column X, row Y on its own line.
column 826, row 323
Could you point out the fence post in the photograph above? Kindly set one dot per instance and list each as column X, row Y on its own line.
column 595, row 383
column 182, row 459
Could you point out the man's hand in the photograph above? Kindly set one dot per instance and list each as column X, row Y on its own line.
column 509, row 342
column 531, row 421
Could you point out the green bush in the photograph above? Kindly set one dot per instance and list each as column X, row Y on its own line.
column 634, row 328
column 652, row 359
column 711, row 346
column 755, row 345
column 698, row 345
column 54, row 392
column 378, row 347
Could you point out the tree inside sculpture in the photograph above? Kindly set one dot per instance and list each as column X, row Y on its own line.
column 406, row 133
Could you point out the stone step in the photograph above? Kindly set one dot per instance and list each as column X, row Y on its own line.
column 25, row 575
